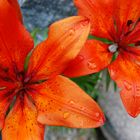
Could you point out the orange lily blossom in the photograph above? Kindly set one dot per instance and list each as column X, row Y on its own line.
column 39, row 95
column 118, row 21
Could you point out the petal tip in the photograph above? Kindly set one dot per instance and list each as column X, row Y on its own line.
column 102, row 120
column 133, row 114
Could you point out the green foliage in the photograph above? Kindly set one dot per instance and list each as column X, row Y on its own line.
column 88, row 83
column 39, row 35
column 100, row 39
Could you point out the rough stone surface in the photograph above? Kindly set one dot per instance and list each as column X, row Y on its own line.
column 70, row 134
column 119, row 126
column 41, row 13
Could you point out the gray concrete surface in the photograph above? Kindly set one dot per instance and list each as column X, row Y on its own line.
column 119, row 125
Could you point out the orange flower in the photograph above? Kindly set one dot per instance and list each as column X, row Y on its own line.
column 39, row 95
column 119, row 22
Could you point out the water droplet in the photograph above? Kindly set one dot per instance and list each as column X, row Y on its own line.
column 127, row 85
column 72, row 102
column 80, row 58
column 112, row 72
column 138, row 95
column 91, row 65
column 113, row 48
column 71, row 32
column 82, row 108
column 81, row 123
column 66, row 115
column 138, row 88
column 97, row 114
column 85, row 22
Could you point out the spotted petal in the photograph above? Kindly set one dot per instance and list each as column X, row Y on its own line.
column 125, row 71
column 21, row 123
column 66, row 38
column 60, row 102
column 109, row 18
column 15, row 41
column 94, row 57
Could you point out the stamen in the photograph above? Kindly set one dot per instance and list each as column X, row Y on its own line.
column 2, row 88
column 113, row 48
column 129, row 22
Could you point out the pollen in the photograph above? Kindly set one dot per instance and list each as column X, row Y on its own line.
column 113, row 48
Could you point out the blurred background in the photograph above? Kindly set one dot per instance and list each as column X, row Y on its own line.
column 38, row 15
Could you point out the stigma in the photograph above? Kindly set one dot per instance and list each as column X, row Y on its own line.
column 113, row 48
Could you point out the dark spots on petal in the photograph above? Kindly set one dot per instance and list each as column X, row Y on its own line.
column 126, row 34
column 4, row 69
column 137, row 43
column 7, row 79
column 129, row 22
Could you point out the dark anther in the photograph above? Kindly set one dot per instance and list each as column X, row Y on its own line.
column 127, row 33
column 129, row 22
column 4, row 69
column 38, row 82
column 139, row 19
column 137, row 43
column 7, row 79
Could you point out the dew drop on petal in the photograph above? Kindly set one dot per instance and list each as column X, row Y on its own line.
column 71, row 32
column 127, row 85
column 72, row 102
column 113, row 48
column 81, row 123
column 112, row 73
column 84, row 23
column 82, row 108
column 91, row 65
column 66, row 115
column 80, row 58
column 138, row 88
column 97, row 114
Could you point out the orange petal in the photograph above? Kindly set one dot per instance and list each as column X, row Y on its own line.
column 6, row 97
column 100, row 13
column 4, row 105
column 108, row 17
column 21, row 123
column 125, row 72
column 66, row 38
column 16, row 7
column 60, row 102
column 14, row 39
column 126, row 10
column 92, row 58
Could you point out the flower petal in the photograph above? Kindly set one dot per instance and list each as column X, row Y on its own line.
column 14, row 39
column 66, row 38
column 125, row 72
column 21, row 123
column 62, row 103
column 126, row 10
column 16, row 7
column 4, row 105
column 100, row 14
column 109, row 18
column 92, row 58
column 7, row 89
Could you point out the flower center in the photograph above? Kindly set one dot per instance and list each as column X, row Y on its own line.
column 113, row 48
